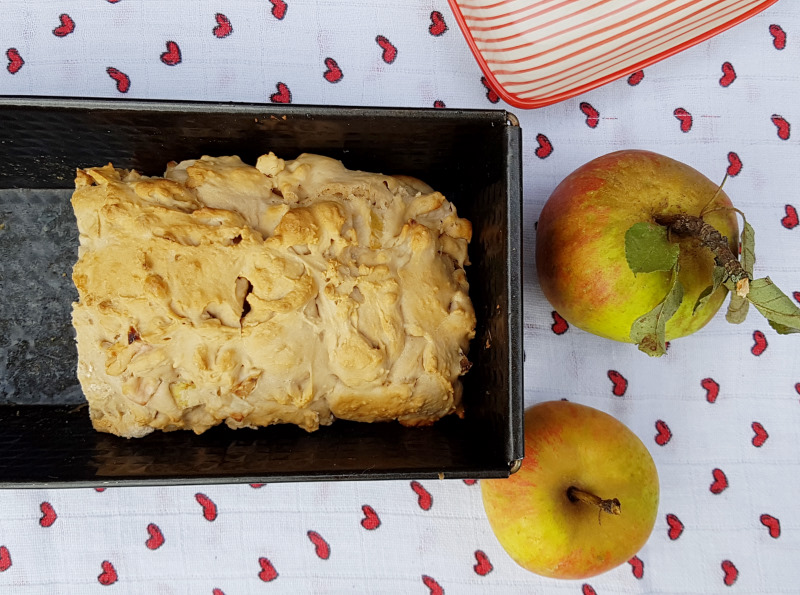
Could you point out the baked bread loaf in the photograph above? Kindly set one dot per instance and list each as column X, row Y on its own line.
column 289, row 292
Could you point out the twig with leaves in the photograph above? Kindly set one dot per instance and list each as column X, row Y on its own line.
column 649, row 248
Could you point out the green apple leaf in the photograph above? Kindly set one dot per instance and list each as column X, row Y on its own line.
column 781, row 312
column 649, row 331
column 718, row 277
column 648, row 249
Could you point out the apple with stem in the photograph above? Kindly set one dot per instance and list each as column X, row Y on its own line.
column 585, row 498
column 637, row 247
column 581, row 243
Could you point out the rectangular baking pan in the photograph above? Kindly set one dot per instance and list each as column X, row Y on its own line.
column 472, row 156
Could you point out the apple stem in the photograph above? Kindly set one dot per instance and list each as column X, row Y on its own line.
column 689, row 225
column 609, row 505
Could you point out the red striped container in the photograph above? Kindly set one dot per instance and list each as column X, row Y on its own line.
column 538, row 52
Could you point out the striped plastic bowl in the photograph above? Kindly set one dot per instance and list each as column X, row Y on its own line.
column 537, row 52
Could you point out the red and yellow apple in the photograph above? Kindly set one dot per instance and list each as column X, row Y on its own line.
column 585, row 499
column 580, row 243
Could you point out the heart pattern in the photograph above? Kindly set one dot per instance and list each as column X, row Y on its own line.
column 759, row 343
column 209, row 508
column 637, row 567
column 172, row 56
column 282, row 95
column 438, row 26
column 712, row 389
column 675, row 527
column 108, row 576
column 482, row 566
column 371, row 520
column 15, row 61
column 123, row 85
column 267, row 572
column 559, row 326
column 730, row 573
column 772, row 524
column 224, row 27
column 49, row 515
column 434, row 588
column 66, row 27
column 333, row 74
column 734, row 165
column 760, row 434
column 619, row 384
column 424, row 498
column 720, row 483
column 728, row 75
column 491, row 94
column 778, row 36
column 685, row 118
column 790, row 220
column 783, row 127
column 389, row 53
column 5, row 558
column 279, row 8
column 636, row 78
column 664, row 434
column 263, row 525
column 156, row 537
column 545, row 148
column 321, row 547
column 592, row 115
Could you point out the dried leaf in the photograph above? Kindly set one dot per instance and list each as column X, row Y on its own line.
column 648, row 249
column 718, row 277
column 748, row 256
column 649, row 331
column 782, row 329
column 776, row 306
column 737, row 308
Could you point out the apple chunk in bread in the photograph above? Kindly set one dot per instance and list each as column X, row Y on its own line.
column 289, row 292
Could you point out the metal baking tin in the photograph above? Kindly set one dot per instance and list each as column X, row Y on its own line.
column 46, row 439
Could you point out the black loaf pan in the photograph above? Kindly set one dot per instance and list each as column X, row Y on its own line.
column 473, row 157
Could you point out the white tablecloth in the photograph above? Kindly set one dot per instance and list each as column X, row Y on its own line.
column 720, row 412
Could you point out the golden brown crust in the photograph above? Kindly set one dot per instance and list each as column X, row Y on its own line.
column 290, row 292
